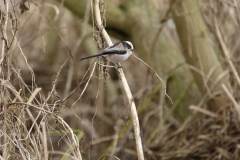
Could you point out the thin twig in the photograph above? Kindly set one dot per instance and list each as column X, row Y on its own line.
column 224, row 49
column 4, row 33
column 236, row 105
column 85, row 87
column 155, row 73
column 84, row 26
column 45, row 141
column 55, row 80
column 204, row 111
column 163, row 23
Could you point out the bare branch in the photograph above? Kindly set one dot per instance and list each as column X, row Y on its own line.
column 99, row 24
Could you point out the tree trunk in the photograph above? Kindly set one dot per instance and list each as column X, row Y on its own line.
column 200, row 54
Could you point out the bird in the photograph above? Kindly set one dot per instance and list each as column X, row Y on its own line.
column 118, row 52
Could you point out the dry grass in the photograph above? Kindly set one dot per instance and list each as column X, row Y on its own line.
column 37, row 121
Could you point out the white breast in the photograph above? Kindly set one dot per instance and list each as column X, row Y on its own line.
column 118, row 57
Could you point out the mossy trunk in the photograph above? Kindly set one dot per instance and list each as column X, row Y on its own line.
column 199, row 53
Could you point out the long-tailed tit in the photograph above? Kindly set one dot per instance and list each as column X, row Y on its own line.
column 118, row 52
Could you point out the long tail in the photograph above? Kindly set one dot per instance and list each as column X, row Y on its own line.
column 106, row 52
column 97, row 55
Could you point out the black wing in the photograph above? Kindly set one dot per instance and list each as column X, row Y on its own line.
column 114, row 45
column 106, row 52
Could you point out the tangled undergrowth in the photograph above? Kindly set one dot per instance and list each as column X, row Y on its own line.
column 24, row 122
column 209, row 137
column 41, row 123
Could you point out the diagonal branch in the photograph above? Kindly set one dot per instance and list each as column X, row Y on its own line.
column 225, row 51
column 98, row 21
